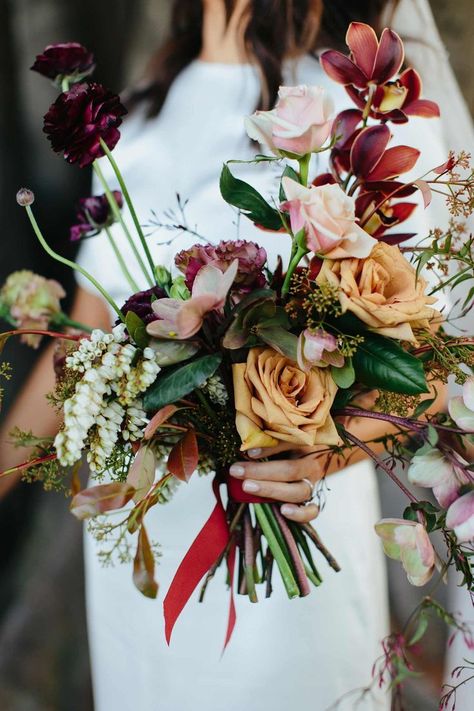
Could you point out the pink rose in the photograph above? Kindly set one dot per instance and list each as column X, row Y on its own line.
column 328, row 216
column 300, row 122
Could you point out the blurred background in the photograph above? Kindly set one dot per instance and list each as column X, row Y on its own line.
column 44, row 662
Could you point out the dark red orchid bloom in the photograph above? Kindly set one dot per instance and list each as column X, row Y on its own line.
column 79, row 118
column 370, row 61
column 371, row 160
column 397, row 101
column 378, row 216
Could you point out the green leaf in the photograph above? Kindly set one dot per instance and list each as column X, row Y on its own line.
column 423, row 407
column 281, row 340
column 381, row 363
column 144, row 567
column 179, row 382
column 344, row 377
column 137, row 329
column 420, row 629
column 242, row 195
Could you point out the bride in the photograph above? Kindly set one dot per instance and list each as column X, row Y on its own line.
column 225, row 58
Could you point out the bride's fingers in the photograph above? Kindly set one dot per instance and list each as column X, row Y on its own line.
column 270, row 451
column 284, row 470
column 300, row 514
column 296, row 492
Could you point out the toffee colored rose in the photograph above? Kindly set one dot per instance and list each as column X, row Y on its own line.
column 252, row 259
column 79, row 118
column 68, row 59
column 277, row 401
column 93, row 214
column 382, row 291
column 300, row 122
column 141, row 304
column 33, row 301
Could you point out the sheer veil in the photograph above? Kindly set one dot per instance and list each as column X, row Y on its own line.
column 414, row 22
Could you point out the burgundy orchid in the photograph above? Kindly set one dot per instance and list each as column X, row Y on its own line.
column 79, row 118
column 93, row 214
column 370, row 62
column 68, row 59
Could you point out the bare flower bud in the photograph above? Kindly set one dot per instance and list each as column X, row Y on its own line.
column 25, row 197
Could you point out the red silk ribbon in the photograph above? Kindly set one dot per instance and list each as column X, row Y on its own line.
column 206, row 548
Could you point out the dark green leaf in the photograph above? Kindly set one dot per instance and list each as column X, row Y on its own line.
column 242, row 195
column 423, row 407
column 420, row 629
column 281, row 340
column 381, row 363
column 137, row 329
column 174, row 384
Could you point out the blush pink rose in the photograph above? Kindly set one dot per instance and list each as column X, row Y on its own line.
column 300, row 123
column 328, row 216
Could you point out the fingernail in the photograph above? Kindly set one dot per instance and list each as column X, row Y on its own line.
column 254, row 452
column 237, row 471
column 250, row 486
column 288, row 509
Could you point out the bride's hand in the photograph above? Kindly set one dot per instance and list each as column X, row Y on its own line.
column 282, row 480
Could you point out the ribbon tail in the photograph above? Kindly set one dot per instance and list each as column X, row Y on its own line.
column 203, row 553
column 232, row 613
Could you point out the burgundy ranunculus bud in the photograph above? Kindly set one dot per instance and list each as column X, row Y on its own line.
column 252, row 259
column 140, row 303
column 79, row 118
column 93, row 214
column 69, row 59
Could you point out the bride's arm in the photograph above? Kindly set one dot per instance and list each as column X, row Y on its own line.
column 31, row 410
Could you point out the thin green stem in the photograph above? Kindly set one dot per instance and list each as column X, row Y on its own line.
column 119, row 218
column 133, row 285
column 70, row 264
column 304, row 169
column 64, row 84
column 286, row 572
column 295, row 260
column 130, row 205
column 62, row 319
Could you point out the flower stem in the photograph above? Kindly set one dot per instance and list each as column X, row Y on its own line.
column 304, row 162
column 289, row 581
column 133, row 285
column 295, row 260
column 130, row 205
column 62, row 319
column 69, row 263
column 118, row 216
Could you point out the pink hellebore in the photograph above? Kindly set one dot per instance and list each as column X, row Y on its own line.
column 408, row 542
column 317, row 348
column 328, row 216
column 300, row 122
column 183, row 319
column 461, row 408
column 460, row 517
column 445, row 476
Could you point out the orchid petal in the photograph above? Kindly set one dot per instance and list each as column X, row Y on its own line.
column 345, row 124
column 411, row 80
column 394, row 162
column 368, row 149
column 341, row 69
column 389, row 57
column 422, row 107
column 362, row 41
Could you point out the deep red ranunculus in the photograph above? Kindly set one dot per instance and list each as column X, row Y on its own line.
column 79, row 118
column 140, row 303
column 93, row 214
column 69, row 59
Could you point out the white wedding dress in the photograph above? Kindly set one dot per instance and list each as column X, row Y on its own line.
column 305, row 653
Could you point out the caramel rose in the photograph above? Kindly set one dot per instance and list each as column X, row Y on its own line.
column 382, row 291
column 278, row 402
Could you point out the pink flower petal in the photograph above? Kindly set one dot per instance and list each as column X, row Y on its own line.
column 394, row 162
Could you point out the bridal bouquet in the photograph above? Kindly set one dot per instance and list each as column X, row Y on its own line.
column 221, row 355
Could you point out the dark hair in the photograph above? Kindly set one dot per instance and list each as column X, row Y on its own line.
column 275, row 30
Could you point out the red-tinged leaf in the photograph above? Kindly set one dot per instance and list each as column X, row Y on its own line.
column 3, row 339
column 422, row 107
column 344, row 126
column 397, row 238
column 144, row 567
column 184, row 456
column 142, row 472
column 411, row 80
column 389, row 57
column 394, row 162
column 159, row 419
column 363, row 43
column 75, row 480
column 100, row 499
column 449, row 165
column 425, row 190
column 368, row 149
column 341, row 69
